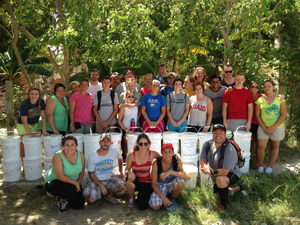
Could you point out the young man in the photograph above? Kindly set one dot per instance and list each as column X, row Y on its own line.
column 224, row 172
column 169, row 87
column 163, row 69
column 239, row 103
column 216, row 92
column 105, row 109
column 115, row 80
column 167, row 179
column 178, row 106
column 228, row 80
column 94, row 85
column 100, row 166
column 122, row 86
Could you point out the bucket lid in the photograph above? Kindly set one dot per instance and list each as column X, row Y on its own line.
column 206, row 134
column 170, row 133
column 188, row 134
column 10, row 137
column 52, row 136
column 10, row 160
column 228, row 132
column 133, row 135
column 242, row 133
column 32, row 161
column 191, row 168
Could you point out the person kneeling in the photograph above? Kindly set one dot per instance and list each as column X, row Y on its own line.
column 100, row 168
column 167, row 179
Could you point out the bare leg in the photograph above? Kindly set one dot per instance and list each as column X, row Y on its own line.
column 113, row 192
column 130, row 188
column 262, row 143
column 274, row 152
column 177, row 190
column 156, row 207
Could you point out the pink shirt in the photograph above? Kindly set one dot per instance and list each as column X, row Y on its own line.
column 145, row 90
column 254, row 121
column 83, row 108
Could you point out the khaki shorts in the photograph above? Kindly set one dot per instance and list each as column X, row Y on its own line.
column 99, row 129
column 277, row 135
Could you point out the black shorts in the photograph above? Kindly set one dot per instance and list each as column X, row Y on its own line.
column 254, row 128
column 232, row 180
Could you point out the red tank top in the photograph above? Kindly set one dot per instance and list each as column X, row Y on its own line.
column 142, row 172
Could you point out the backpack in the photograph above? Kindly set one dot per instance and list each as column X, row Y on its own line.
column 112, row 96
column 159, row 165
column 241, row 161
column 164, row 90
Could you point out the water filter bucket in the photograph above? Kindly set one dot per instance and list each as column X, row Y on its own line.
column 10, row 147
column 203, row 137
column 173, row 138
column 11, row 169
column 188, row 143
column 79, row 138
column 193, row 171
column 91, row 144
column 205, row 180
column 52, row 144
column 155, row 139
column 228, row 133
column 47, row 164
column 32, row 147
column 32, row 168
column 131, row 141
column 243, row 139
column 115, row 140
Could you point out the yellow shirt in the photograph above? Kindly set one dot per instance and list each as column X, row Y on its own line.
column 190, row 93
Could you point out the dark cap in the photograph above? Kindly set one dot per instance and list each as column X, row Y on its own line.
column 219, row 126
column 167, row 145
column 105, row 135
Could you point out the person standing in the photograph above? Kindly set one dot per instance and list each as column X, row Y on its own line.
column 94, row 85
column 162, row 78
column 148, row 81
column 188, row 85
column 228, row 80
column 115, row 80
column 122, row 86
column 170, row 86
column 200, row 75
column 239, row 103
column 105, row 107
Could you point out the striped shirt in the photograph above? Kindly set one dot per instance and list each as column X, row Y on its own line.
column 142, row 172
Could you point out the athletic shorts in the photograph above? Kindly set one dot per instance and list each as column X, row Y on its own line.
column 277, row 135
column 21, row 129
column 233, row 178
column 180, row 129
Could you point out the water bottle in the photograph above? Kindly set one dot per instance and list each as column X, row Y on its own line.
column 132, row 125
column 243, row 154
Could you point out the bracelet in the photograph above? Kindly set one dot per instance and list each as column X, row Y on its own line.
column 273, row 128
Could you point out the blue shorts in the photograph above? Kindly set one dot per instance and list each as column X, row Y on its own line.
column 180, row 129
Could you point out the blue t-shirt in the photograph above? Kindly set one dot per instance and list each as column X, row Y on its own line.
column 153, row 105
column 168, row 90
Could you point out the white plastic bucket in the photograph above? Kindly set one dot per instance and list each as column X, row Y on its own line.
column 85, row 179
column 32, row 168
column 243, row 139
column 190, row 159
column 11, row 169
column 131, row 141
column 52, row 144
column 32, row 147
column 79, row 138
column 203, row 137
column 193, row 171
column 173, row 138
column 91, row 144
column 10, row 147
column 155, row 139
column 245, row 168
column 228, row 133
column 188, row 143
column 115, row 141
column 205, row 180
column 47, row 164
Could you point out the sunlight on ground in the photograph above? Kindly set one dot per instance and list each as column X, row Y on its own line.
column 19, row 202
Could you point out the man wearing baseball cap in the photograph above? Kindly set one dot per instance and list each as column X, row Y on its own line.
column 100, row 166
column 115, row 80
column 170, row 87
column 167, row 179
column 122, row 86
column 224, row 172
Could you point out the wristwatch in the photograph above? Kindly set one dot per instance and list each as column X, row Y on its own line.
column 215, row 172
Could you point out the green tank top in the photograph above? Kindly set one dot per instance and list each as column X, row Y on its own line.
column 70, row 170
column 61, row 116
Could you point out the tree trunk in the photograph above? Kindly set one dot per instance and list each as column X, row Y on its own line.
column 9, row 105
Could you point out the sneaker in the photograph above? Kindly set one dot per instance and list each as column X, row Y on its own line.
column 174, row 206
column 62, row 207
column 260, row 169
column 220, row 208
column 269, row 170
column 131, row 202
column 111, row 200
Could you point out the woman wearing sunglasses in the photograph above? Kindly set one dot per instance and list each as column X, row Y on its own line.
column 126, row 114
column 137, row 170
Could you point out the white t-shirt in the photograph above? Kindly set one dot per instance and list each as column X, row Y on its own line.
column 93, row 89
column 102, row 166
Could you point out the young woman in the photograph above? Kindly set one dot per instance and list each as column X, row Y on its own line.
column 148, row 80
column 153, row 109
column 81, row 105
column 189, row 86
column 200, row 75
column 138, row 172
column 30, row 111
column 201, row 109
column 124, row 119
column 64, row 178
column 270, row 114
column 58, row 111
column 74, row 87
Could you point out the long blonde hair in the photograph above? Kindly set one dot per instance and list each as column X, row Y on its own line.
column 39, row 100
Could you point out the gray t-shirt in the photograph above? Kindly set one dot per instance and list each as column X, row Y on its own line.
column 230, row 161
column 122, row 88
column 216, row 98
column 137, row 96
column 177, row 103
column 106, row 107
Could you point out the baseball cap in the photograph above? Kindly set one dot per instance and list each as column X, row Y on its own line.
column 115, row 74
column 219, row 126
column 172, row 74
column 129, row 71
column 105, row 135
column 167, row 145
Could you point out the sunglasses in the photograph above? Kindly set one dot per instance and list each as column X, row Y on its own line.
column 145, row 143
column 130, row 96
column 254, row 87
column 215, row 82
column 229, row 71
